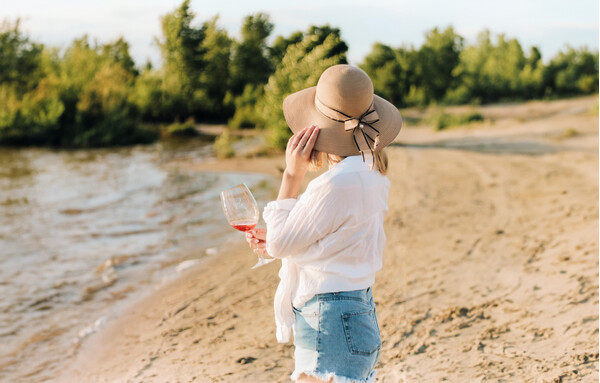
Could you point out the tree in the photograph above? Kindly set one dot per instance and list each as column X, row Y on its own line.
column 183, row 60
column 20, row 58
column 384, row 66
column 210, row 94
column 250, row 64
column 491, row 72
column 532, row 75
column 29, row 105
column 437, row 58
column 118, row 52
column 572, row 72
column 105, row 116
column 147, row 95
column 280, row 44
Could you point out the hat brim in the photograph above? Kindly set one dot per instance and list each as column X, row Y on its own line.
column 300, row 111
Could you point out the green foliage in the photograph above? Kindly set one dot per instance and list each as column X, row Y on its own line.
column 246, row 115
column 20, row 58
column 29, row 104
column 492, row 72
column 93, row 94
column 196, row 68
column 147, row 95
column 532, row 76
column 183, row 61
column 569, row 133
column 389, row 72
column 300, row 68
column 572, row 72
column 118, row 52
column 29, row 119
column 442, row 120
column 406, row 76
column 96, row 90
column 104, row 112
column 250, row 64
column 81, row 99
column 223, row 145
column 444, row 70
column 279, row 47
column 210, row 94
column 181, row 129
column 435, row 63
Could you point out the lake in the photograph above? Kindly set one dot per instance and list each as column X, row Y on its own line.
column 85, row 232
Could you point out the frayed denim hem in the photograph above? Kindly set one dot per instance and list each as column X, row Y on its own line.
column 336, row 379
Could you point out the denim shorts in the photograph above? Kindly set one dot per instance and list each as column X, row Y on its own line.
column 337, row 335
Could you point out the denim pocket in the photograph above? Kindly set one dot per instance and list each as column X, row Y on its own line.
column 309, row 309
column 362, row 332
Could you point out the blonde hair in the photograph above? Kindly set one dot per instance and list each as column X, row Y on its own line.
column 316, row 160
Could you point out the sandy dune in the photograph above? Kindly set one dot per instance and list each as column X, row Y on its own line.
column 490, row 269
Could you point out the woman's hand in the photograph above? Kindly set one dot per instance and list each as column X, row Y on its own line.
column 257, row 239
column 299, row 148
column 297, row 159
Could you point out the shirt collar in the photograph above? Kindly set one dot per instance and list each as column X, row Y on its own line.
column 350, row 163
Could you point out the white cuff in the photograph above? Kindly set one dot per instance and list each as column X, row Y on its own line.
column 283, row 334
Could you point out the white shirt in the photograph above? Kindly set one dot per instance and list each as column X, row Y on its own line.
column 329, row 239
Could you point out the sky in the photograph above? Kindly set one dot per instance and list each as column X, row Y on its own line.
column 548, row 24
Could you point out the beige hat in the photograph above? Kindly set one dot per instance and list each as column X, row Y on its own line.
column 351, row 118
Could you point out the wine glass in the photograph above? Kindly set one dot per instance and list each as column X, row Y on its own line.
column 241, row 211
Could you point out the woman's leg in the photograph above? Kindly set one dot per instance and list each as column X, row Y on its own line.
column 303, row 378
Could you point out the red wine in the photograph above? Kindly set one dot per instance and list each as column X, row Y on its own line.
column 243, row 225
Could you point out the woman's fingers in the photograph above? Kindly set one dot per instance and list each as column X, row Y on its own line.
column 260, row 245
column 306, row 133
column 260, row 233
column 257, row 234
column 295, row 139
column 256, row 238
column 261, row 251
column 312, row 139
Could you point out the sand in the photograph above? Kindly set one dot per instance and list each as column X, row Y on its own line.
column 490, row 269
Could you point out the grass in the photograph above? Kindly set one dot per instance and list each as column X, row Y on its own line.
column 570, row 132
column 441, row 120
column 181, row 129
column 224, row 145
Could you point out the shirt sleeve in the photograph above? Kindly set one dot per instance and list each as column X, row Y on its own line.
column 295, row 224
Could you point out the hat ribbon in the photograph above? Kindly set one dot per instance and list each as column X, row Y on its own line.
column 356, row 125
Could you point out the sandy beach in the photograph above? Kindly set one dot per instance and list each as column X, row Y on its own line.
column 490, row 268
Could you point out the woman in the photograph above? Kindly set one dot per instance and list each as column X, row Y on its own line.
column 331, row 238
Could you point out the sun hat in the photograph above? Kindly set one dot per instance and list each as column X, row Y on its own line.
column 352, row 119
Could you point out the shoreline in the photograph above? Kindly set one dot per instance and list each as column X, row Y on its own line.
column 490, row 272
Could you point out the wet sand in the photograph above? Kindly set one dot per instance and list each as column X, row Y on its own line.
column 490, row 269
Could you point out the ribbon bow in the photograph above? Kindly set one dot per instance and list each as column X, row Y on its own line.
column 357, row 126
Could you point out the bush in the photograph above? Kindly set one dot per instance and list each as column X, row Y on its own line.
column 457, row 96
column 181, row 129
column 246, row 114
column 223, row 145
column 441, row 120
column 104, row 115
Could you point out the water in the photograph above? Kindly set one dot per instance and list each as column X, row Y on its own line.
column 83, row 233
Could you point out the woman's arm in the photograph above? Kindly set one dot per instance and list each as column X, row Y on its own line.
column 297, row 158
column 295, row 224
